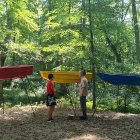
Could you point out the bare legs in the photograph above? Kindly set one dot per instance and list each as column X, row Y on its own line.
column 50, row 111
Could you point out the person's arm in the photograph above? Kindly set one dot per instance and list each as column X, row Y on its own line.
column 82, row 88
column 46, row 87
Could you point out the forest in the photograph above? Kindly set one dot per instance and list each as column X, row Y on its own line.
column 70, row 35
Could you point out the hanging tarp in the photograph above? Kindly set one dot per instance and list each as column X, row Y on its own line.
column 9, row 72
column 64, row 77
column 121, row 79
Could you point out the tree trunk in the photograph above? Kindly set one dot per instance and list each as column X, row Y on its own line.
column 1, row 93
column 136, row 29
column 126, row 11
column 83, row 19
column 2, row 60
column 92, row 51
column 122, row 7
column 8, row 40
column 50, row 5
column 1, row 89
column 114, row 49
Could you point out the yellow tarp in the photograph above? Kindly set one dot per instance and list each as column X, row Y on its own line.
column 64, row 77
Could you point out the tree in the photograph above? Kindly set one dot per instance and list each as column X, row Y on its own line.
column 92, row 51
column 136, row 29
column 2, row 61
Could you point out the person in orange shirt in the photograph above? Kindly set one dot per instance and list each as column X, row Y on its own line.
column 51, row 98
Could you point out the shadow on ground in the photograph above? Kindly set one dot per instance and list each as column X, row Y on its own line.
column 20, row 124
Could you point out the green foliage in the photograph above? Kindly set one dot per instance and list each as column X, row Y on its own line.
column 56, row 33
column 14, row 97
column 22, row 51
column 124, row 101
column 134, row 108
column 63, row 101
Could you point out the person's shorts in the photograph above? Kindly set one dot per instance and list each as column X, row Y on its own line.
column 51, row 100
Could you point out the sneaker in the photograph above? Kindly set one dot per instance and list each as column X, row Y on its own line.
column 50, row 120
column 82, row 118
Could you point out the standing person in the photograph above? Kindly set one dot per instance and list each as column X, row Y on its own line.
column 83, row 87
column 51, row 99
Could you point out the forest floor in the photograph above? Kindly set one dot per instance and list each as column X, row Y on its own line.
column 18, row 123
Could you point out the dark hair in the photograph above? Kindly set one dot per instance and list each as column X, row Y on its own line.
column 83, row 72
column 50, row 76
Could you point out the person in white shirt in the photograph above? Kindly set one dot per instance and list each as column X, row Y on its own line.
column 83, row 91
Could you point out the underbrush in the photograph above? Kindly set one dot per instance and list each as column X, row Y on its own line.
column 14, row 97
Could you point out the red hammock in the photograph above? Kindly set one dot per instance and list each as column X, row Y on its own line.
column 9, row 72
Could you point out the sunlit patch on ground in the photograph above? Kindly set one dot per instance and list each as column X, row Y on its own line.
column 87, row 137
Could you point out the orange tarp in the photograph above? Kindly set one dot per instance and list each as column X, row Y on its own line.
column 64, row 77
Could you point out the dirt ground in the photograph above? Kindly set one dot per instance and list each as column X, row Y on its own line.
column 18, row 123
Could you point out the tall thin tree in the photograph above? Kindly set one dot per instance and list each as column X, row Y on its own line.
column 136, row 29
column 92, row 50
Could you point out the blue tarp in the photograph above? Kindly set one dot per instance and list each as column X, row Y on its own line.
column 120, row 79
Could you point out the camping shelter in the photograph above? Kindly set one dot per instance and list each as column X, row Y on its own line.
column 120, row 80
column 66, row 77
column 12, row 72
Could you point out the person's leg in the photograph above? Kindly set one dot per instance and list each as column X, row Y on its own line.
column 81, row 103
column 50, row 111
column 83, row 106
column 51, row 102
